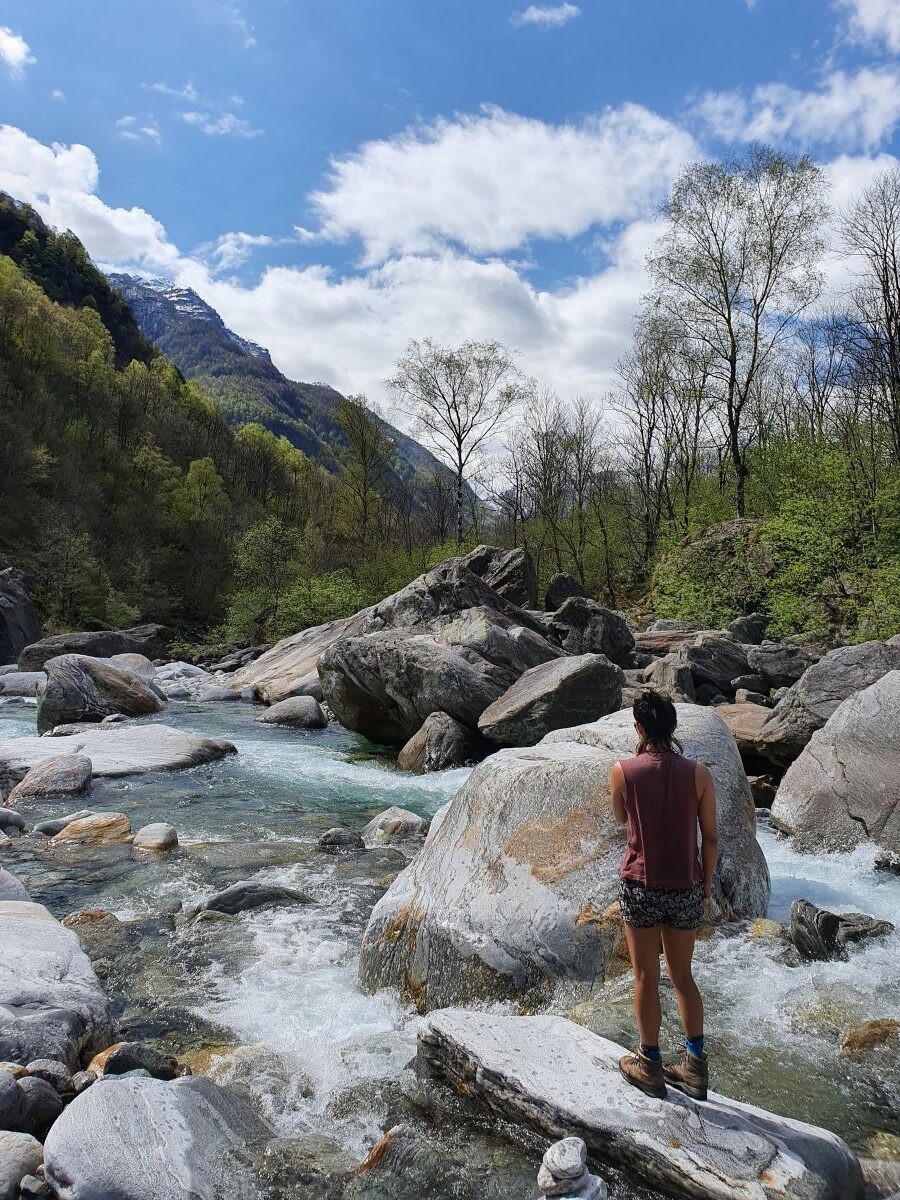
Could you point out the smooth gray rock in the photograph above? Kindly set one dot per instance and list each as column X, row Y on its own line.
column 241, row 897
column 715, row 659
column 135, row 1056
column 822, row 936
column 299, row 712
column 157, row 837
column 844, row 788
column 339, row 841
column 750, row 629
column 52, row 1071
column 561, row 588
column 564, row 1172
column 58, row 824
column 56, row 775
column 20, row 1155
column 12, row 888
column 555, row 695
column 582, row 626
column 51, row 1004
column 12, row 822
column 114, row 750
column 42, row 1105
column 146, row 640
column 441, row 743
column 780, row 664
column 80, row 688
column 22, row 683
column 510, row 573
column 12, row 1102
column 214, row 693
column 393, row 826
column 816, row 695
column 508, row 894
column 19, row 623
column 551, row 1075
column 138, row 1138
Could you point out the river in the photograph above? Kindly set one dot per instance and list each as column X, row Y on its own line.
column 273, row 994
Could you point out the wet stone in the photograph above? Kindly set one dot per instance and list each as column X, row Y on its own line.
column 338, row 840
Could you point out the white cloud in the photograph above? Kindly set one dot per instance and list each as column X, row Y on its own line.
column 61, row 183
column 135, row 129
column 225, row 124
column 232, row 249
column 855, row 111
column 56, row 94
column 234, row 13
column 14, row 52
column 875, row 20
column 187, row 92
column 492, row 181
column 546, row 16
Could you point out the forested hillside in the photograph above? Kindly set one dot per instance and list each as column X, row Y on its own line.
column 241, row 378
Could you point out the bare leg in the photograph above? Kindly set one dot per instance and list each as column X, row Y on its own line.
column 644, row 948
column 678, row 945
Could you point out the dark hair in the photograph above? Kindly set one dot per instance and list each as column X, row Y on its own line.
column 656, row 715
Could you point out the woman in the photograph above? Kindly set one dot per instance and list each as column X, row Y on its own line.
column 662, row 796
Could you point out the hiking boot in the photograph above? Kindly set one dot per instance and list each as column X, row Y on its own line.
column 690, row 1075
column 644, row 1073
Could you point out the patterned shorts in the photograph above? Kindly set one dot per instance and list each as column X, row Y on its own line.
column 643, row 907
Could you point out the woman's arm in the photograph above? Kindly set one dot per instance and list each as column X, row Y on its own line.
column 709, row 830
column 617, row 793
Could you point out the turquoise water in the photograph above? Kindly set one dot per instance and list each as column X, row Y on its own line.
column 277, row 991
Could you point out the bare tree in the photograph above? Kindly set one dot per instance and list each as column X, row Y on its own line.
column 737, row 267
column 458, row 396
column 367, row 462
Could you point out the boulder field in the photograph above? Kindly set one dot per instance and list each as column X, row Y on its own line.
column 509, row 894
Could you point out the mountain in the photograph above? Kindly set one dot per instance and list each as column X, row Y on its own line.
column 244, row 382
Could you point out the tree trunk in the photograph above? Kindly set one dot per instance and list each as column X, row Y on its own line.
column 459, row 505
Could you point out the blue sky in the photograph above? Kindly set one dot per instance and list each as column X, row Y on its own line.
column 337, row 176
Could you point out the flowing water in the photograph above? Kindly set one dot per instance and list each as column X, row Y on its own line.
column 269, row 1000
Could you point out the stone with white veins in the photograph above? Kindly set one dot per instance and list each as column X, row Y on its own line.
column 557, row 1077
column 508, row 894
column 51, row 1003
column 137, row 1138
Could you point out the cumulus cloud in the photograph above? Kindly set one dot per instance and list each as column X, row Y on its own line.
column 61, row 183
column 549, row 16
column 875, row 20
column 232, row 249
column 15, row 52
column 490, row 182
column 857, row 110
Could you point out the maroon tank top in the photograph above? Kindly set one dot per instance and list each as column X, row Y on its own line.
column 661, row 807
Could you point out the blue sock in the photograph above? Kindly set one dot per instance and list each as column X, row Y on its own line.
column 695, row 1046
column 651, row 1052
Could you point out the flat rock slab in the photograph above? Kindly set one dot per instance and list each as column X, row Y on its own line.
column 116, row 751
column 136, row 1138
column 51, row 1003
column 560, row 1079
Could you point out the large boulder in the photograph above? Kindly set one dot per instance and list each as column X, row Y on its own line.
column 744, row 721
column 22, row 683
column 58, row 775
column 749, row 629
column 384, row 684
column 562, row 587
column 780, row 664
column 554, row 695
column 51, row 1004
column 821, row 936
column 844, row 788
column 298, row 712
column 508, row 894
column 80, row 688
column 510, row 573
column 672, row 674
column 12, row 888
column 138, row 1138
column 715, row 659
column 146, row 640
column 19, row 624
column 552, row 1076
column 814, row 698
column 440, row 743
column 423, row 606
column 582, row 626
column 113, row 750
